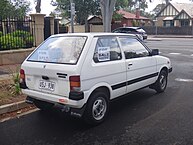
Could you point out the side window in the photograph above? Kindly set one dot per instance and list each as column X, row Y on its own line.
column 133, row 48
column 107, row 49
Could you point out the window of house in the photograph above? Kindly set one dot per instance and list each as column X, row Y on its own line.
column 168, row 23
column 107, row 49
column 133, row 48
column 185, row 22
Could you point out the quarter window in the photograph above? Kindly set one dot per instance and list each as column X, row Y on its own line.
column 107, row 49
column 133, row 48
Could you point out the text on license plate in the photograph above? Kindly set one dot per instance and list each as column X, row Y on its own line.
column 47, row 85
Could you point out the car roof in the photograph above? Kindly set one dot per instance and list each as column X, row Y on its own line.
column 93, row 34
column 128, row 27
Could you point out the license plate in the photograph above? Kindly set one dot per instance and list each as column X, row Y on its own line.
column 47, row 85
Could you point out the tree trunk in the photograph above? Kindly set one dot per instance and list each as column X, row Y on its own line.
column 38, row 6
column 107, row 8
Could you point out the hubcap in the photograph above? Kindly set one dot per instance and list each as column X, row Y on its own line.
column 162, row 81
column 99, row 108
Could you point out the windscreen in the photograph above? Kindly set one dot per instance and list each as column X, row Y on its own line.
column 65, row 50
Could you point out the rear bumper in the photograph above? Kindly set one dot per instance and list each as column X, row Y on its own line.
column 55, row 99
column 77, row 112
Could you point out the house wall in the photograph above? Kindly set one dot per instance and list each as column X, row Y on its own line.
column 96, row 28
column 78, row 29
column 126, row 22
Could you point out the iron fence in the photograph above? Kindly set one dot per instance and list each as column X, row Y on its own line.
column 17, row 33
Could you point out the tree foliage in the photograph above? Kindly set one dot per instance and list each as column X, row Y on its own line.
column 14, row 8
column 84, row 8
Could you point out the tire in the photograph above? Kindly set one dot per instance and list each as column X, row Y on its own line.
column 161, row 82
column 97, row 108
column 44, row 106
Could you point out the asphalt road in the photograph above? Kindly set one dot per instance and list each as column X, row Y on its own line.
column 141, row 118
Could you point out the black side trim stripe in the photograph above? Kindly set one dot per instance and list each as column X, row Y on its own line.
column 117, row 86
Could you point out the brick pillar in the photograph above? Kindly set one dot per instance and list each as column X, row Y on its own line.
column 39, row 27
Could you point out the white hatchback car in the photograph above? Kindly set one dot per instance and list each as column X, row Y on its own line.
column 82, row 72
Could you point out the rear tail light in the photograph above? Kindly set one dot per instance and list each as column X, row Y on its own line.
column 75, row 83
column 22, row 75
column 22, row 79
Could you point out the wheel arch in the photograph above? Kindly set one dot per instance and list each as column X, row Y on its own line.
column 100, row 87
column 165, row 68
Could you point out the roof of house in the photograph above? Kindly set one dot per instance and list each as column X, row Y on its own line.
column 187, row 7
column 128, row 15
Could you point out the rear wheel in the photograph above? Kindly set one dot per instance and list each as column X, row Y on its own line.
column 161, row 82
column 97, row 108
column 43, row 105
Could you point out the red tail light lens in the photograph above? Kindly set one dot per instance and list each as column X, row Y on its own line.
column 22, row 74
column 22, row 79
column 74, row 83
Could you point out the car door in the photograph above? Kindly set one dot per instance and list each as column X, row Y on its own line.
column 106, row 66
column 141, row 66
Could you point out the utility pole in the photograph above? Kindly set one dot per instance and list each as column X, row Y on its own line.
column 72, row 10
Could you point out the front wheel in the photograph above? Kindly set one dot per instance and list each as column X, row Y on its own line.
column 161, row 82
column 97, row 108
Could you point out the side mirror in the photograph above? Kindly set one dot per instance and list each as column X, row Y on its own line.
column 155, row 52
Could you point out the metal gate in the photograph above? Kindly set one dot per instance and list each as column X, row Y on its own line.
column 47, row 28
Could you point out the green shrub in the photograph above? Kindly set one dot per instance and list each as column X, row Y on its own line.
column 1, row 33
column 9, row 42
column 29, row 39
column 20, row 33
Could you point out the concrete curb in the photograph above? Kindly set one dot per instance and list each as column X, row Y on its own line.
column 170, row 36
column 13, row 107
column 154, row 39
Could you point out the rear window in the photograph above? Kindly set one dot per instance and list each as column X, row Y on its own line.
column 65, row 50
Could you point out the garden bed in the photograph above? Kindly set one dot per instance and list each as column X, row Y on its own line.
column 8, row 93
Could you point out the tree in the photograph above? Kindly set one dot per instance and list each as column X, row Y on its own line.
column 132, row 3
column 21, row 7
column 14, row 8
column 107, row 9
column 38, row 6
column 84, row 8
column 5, row 8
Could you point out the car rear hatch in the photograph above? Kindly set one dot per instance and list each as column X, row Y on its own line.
column 48, row 68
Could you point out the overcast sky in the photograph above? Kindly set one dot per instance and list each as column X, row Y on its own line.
column 46, row 8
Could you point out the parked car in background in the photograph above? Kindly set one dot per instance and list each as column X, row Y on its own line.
column 82, row 72
column 132, row 30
